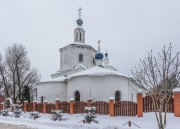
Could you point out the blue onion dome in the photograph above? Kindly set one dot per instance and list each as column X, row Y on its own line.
column 99, row 55
column 79, row 22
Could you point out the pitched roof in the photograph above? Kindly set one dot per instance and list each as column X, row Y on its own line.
column 97, row 71
column 94, row 71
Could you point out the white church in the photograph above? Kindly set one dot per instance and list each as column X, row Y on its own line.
column 85, row 74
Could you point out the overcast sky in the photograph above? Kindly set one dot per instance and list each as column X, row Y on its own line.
column 128, row 29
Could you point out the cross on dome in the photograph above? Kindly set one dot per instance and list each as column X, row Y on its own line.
column 79, row 10
column 79, row 21
column 99, row 45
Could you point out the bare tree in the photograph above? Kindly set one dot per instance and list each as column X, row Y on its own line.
column 159, row 75
column 4, row 80
column 19, row 73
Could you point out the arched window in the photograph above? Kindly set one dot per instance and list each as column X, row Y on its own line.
column 80, row 58
column 80, row 36
column 77, row 95
column 117, row 96
column 94, row 63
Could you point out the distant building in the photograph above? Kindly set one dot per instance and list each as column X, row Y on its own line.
column 85, row 73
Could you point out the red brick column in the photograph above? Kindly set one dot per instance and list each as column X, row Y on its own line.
column 140, row 103
column 111, row 106
column 45, row 107
column 72, row 106
column 89, row 102
column 25, row 105
column 176, row 93
column 34, row 105
column 2, row 106
column 57, row 104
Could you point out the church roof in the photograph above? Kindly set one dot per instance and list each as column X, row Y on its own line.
column 94, row 71
column 78, row 44
column 58, row 79
column 97, row 71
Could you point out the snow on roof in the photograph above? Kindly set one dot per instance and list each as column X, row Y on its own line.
column 94, row 71
column 62, row 78
column 58, row 79
column 97, row 71
column 80, row 66
column 79, row 43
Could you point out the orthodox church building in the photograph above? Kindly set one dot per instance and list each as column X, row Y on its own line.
column 85, row 74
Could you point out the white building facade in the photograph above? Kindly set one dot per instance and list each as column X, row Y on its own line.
column 85, row 74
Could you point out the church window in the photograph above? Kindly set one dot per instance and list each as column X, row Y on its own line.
column 80, row 36
column 80, row 58
column 77, row 95
column 94, row 63
column 117, row 96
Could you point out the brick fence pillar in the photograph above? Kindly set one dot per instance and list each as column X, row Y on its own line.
column 72, row 106
column 25, row 105
column 140, row 103
column 176, row 93
column 111, row 106
column 34, row 105
column 45, row 106
column 57, row 104
column 89, row 102
column 2, row 106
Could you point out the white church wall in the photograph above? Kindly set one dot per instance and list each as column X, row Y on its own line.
column 69, row 57
column 134, row 87
column 66, row 58
column 50, row 90
column 101, row 87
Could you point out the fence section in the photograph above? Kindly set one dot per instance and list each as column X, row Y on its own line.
column 30, row 107
column 148, row 105
column 65, row 106
column 125, row 108
column 101, row 107
column 170, row 107
column 79, row 107
column 50, row 107
column 39, row 107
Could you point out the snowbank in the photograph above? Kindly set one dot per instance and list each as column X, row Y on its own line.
column 105, row 122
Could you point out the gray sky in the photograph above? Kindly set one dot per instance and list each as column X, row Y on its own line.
column 128, row 29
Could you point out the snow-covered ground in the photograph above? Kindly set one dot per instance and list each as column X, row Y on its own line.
column 105, row 122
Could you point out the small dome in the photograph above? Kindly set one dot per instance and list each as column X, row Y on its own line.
column 106, row 55
column 79, row 22
column 99, row 55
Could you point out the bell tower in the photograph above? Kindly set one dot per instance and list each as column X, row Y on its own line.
column 79, row 32
column 77, row 55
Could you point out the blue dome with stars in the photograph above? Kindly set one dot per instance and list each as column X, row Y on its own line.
column 99, row 55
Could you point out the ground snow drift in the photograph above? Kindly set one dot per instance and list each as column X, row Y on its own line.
column 105, row 122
